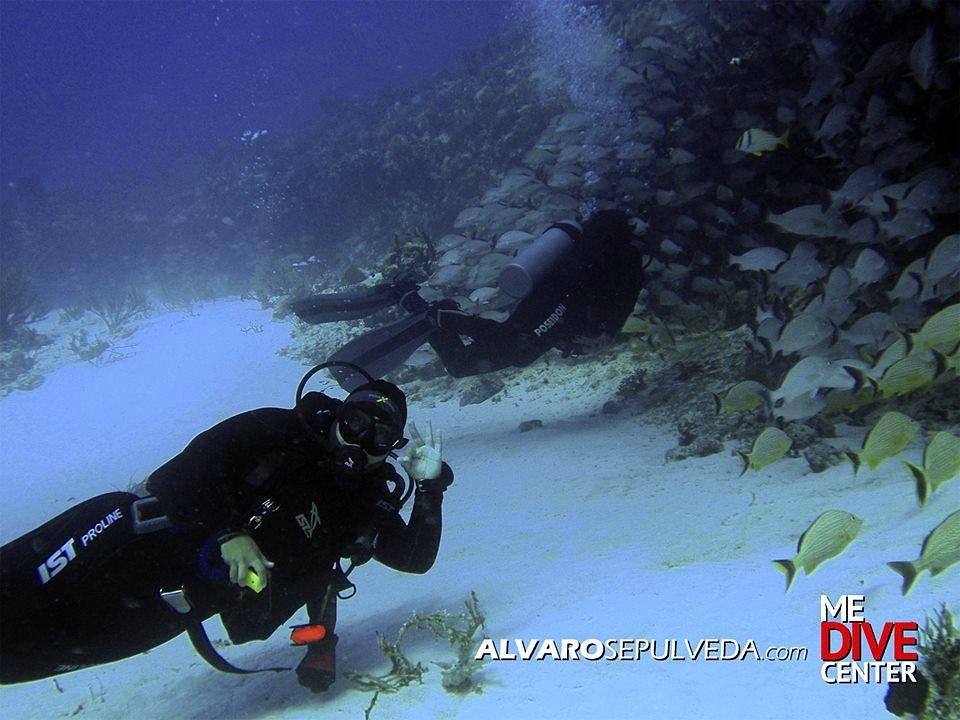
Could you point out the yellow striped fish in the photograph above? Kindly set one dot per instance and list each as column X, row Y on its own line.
column 743, row 396
column 914, row 371
column 953, row 360
column 756, row 141
column 897, row 350
column 894, row 352
column 892, row 433
column 941, row 462
column 839, row 400
column 827, row 537
column 940, row 550
column 770, row 445
column 941, row 331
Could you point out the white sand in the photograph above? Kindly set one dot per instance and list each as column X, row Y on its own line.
column 578, row 529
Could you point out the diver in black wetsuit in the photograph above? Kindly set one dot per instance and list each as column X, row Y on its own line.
column 250, row 521
column 577, row 288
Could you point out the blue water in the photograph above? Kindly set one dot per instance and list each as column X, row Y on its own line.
column 609, row 519
column 90, row 89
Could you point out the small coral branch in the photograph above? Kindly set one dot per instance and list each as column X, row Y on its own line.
column 86, row 348
column 13, row 366
column 369, row 709
column 117, row 311
column 935, row 694
column 402, row 671
column 458, row 677
column 413, row 252
column 18, row 304
column 940, row 653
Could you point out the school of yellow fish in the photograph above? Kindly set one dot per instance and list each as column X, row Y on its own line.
column 911, row 362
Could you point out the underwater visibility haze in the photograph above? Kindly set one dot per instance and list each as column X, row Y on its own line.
column 676, row 282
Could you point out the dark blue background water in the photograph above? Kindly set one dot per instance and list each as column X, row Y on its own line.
column 95, row 88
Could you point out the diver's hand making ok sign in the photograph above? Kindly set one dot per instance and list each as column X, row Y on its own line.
column 424, row 460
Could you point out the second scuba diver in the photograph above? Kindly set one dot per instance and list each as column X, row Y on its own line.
column 576, row 288
column 251, row 521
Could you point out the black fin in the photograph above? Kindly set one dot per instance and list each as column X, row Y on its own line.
column 908, row 571
column 335, row 307
column 853, row 458
column 908, row 339
column 920, row 478
column 859, row 377
column 744, row 459
column 942, row 363
column 787, row 568
column 384, row 349
column 767, row 347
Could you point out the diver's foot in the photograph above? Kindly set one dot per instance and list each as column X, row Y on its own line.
column 412, row 302
column 404, row 288
column 401, row 283
column 436, row 309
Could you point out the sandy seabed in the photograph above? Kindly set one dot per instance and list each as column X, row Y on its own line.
column 577, row 529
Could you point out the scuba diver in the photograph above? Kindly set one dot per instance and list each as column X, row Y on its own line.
column 251, row 521
column 576, row 287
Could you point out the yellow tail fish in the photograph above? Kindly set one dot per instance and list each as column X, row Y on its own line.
column 827, row 537
column 940, row 550
column 892, row 433
column 756, row 141
column 941, row 462
column 770, row 445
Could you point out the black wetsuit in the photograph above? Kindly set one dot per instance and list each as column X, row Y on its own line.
column 84, row 588
column 586, row 296
column 590, row 297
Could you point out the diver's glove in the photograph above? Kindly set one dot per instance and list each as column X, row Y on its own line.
column 242, row 554
column 318, row 669
column 424, row 461
column 438, row 484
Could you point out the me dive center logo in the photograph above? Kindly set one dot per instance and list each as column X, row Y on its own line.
column 852, row 649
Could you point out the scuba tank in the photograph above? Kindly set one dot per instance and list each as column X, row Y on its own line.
column 550, row 255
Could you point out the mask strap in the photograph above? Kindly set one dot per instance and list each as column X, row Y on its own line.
column 301, row 411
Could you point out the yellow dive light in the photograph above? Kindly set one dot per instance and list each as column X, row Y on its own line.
column 252, row 581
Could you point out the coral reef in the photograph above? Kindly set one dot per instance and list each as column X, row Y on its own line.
column 86, row 348
column 832, row 247
column 940, row 657
column 413, row 252
column 19, row 305
column 936, row 693
column 458, row 677
column 15, row 372
column 118, row 310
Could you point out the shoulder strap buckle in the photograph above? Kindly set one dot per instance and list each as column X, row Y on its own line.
column 147, row 516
